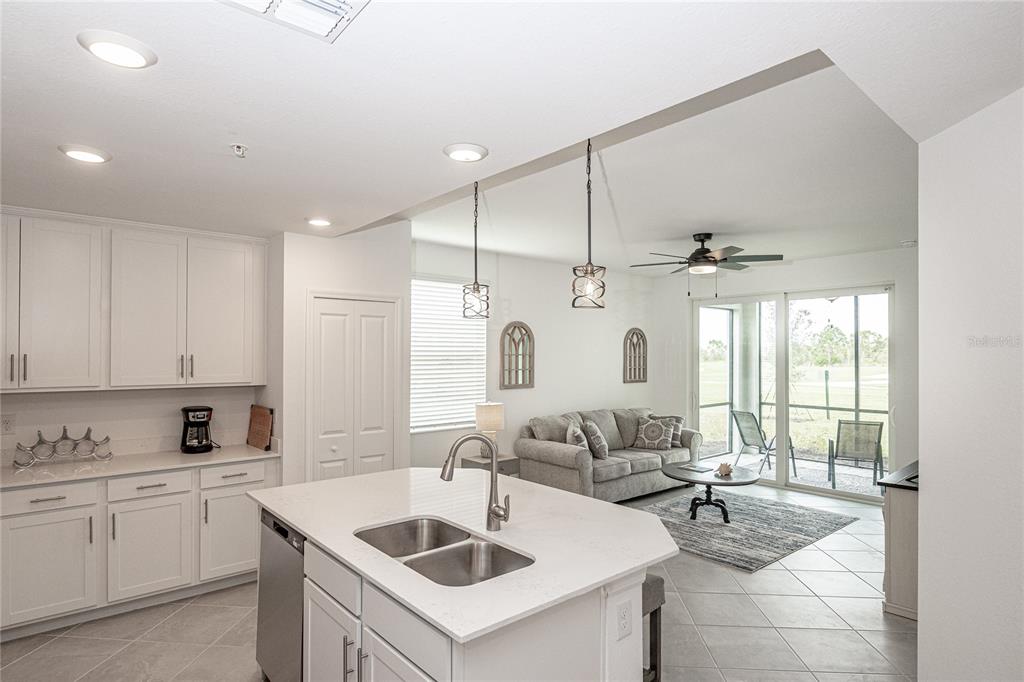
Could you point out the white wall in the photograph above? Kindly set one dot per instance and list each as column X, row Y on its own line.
column 578, row 353
column 375, row 262
column 671, row 341
column 971, row 600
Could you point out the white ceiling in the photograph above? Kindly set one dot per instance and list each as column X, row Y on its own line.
column 808, row 168
column 354, row 130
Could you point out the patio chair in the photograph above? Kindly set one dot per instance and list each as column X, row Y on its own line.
column 752, row 436
column 856, row 440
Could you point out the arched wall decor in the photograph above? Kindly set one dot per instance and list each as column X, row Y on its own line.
column 516, row 350
column 634, row 357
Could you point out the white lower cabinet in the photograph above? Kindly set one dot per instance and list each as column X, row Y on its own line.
column 331, row 637
column 149, row 545
column 382, row 663
column 49, row 564
column 228, row 532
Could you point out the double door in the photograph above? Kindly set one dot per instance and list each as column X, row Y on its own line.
column 351, row 387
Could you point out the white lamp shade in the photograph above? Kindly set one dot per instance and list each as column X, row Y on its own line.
column 490, row 416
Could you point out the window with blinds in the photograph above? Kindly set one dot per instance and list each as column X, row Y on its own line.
column 448, row 372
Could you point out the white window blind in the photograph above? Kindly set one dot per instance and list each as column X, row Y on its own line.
column 448, row 373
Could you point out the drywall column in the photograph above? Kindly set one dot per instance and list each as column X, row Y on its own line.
column 970, row 595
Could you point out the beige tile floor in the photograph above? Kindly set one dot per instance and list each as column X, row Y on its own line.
column 814, row 616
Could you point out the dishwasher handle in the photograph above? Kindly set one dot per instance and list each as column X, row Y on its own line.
column 294, row 538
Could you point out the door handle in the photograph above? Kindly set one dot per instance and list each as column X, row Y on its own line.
column 192, row 366
column 90, row 530
column 345, row 644
column 24, row 367
column 113, row 526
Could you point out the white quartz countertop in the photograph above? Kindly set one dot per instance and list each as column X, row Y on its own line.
column 578, row 543
column 64, row 471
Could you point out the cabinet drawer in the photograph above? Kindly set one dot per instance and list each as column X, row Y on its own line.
column 418, row 641
column 47, row 497
column 135, row 487
column 335, row 579
column 245, row 472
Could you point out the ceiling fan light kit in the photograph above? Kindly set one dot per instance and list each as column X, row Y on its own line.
column 476, row 297
column 588, row 279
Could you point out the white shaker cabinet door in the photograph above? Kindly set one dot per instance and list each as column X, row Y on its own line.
column 147, row 308
column 49, row 564
column 149, row 545
column 330, row 637
column 228, row 531
column 380, row 662
column 60, row 311
column 221, row 276
column 10, row 252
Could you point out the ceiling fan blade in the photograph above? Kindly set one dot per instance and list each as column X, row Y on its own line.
column 679, row 270
column 732, row 266
column 647, row 265
column 670, row 255
column 724, row 252
column 754, row 259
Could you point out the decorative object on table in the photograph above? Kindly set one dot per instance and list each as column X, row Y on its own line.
column 65, row 447
column 490, row 418
column 724, row 469
column 696, row 468
column 734, row 476
column 704, row 261
column 588, row 279
column 856, row 440
column 752, row 436
column 654, row 434
column 677, row 431
column 476, row 297
column 516, row 351
column 195, row 432
column 634, row 357
column 507, row 464
column 762, row 530
column 261, row 427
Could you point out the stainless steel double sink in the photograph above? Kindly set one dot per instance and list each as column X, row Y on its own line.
column 442, row 552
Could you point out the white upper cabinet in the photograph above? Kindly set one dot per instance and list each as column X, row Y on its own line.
column 60, row 308
column 10, row 232
column 147, row 308
column 220, row 311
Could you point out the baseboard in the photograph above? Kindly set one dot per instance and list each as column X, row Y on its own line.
column 897, row 610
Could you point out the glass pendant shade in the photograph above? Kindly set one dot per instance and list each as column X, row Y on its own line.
column 476, row 300
column 588, row 286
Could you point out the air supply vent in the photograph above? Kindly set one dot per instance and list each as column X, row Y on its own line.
column 325, row 19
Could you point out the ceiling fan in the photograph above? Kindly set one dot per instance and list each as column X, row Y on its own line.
column 704, row 261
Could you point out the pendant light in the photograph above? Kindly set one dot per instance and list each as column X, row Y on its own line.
column 588, row 279
column 476, row 297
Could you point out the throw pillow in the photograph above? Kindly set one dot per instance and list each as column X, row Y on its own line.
column 574, row 436
column 598, row 445
column 551, row 428
column 654, row 434
column 677, row 432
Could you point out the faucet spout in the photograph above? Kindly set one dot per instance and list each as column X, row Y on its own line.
column 496, row 513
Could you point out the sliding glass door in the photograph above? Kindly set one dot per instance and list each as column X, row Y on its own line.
column 715, row 372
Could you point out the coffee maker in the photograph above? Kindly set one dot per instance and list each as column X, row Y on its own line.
column 195, row 434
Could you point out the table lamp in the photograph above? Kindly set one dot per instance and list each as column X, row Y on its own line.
column 490, row 418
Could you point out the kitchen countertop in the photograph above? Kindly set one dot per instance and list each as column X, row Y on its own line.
column 64, row 471
column 905, row 478
column 578, row 543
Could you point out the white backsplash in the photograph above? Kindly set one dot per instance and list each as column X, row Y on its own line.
column 136, row 421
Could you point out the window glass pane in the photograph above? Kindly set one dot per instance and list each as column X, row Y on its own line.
column 715, row 349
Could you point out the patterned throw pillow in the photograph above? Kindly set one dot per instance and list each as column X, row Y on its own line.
column 677, row 431
column 654, row 434
column 574, row 436
column 598, row 445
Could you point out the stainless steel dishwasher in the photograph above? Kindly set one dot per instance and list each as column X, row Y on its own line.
column 279, row 610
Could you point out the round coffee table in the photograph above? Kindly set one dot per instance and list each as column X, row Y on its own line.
column 739, row 476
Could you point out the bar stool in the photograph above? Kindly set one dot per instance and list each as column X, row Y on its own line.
column 653, row 598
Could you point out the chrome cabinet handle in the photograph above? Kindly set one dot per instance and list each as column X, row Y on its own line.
column 181, row 365
column 12, row 367
column 360, row 657
column 113, row 526
column 345, row 644
column 48, row 499
column 192, row 366
column 90, row 530
column 244, row 473
column 153, row 485
column 206, row 511
column 24, row 367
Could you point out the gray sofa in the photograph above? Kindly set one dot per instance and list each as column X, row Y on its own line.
column 627, row 472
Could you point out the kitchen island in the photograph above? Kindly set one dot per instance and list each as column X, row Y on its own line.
column 572, row 613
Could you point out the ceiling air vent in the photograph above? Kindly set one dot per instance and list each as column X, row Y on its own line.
column 325, row 19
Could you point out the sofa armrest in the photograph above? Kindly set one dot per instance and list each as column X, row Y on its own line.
column 693, row 440
column 558, row 454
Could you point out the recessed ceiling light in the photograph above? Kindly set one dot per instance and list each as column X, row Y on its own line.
column 467, row 152
column 319, row 222
column 80, row 152
column 117, row 49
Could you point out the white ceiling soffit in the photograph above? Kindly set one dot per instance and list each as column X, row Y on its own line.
column 808, row 168
column 354, row 130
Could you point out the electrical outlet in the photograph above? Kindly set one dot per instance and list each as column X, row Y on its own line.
column 624, row 619
column 7, row 425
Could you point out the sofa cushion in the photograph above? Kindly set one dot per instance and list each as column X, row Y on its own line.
column 610, row 468
column 575, row 418
column 605, row 421
column 628, row 421
column 598, row 445
column 677, row 432
column 639, row 461
column 675, row 455
column 552, row 427
column 654, row 434
column 574, row 436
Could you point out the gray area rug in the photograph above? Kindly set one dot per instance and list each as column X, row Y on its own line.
column 760, row 531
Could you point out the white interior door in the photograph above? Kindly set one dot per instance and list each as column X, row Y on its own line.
column 220, row 311
column 147, row 308
column 60, row 304
column 375, row 389
column 10, row 254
